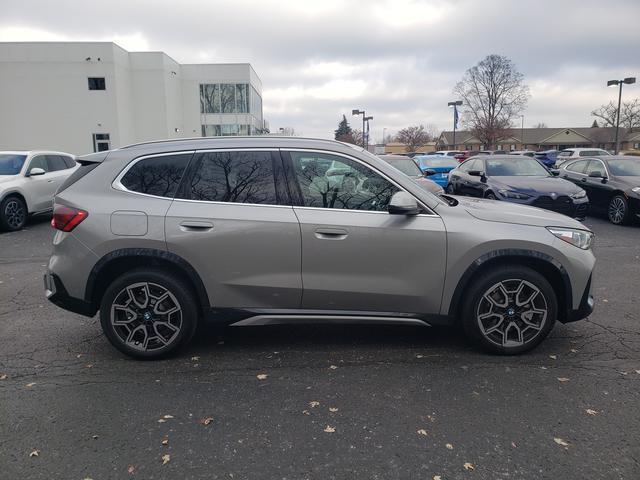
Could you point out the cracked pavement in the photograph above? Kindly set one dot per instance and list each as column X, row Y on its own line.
column 411, row 402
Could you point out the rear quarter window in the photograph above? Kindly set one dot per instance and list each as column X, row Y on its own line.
column 158, row 176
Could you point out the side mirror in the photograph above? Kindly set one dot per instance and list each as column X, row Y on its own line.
column 429, row 171
column 555, row 172
column 35, row 171
column 596, row 174
column 478, row 173
column 403, row 203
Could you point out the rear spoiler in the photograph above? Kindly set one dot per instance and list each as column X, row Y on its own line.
column 97, row 157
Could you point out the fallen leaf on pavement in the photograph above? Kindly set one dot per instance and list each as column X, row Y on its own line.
column 333, row 367
column 89, row 365
column 3, row 376
column 591, row 411
column 166, row 458
column 469, row 466
column 605, row 300
column 95, row 437
column 449, row 446
column 422, row 431
column 573, row 350
column 420, row 356
column 34, row 453
column 329, row 429
column 553, row 357
column 314, row 404
column 29, row 385
column 195, row 359
column 131, row 469
column 563, row 379
column 165, row 441
column 560, row 441
column 262, row 376
column 513, row 444
column 161, row 420
column 206, row 420
column 333, row 409
column 437, row 477
column 306, row 412
column 167, row 416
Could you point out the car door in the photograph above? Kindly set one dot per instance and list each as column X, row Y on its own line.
column 574, row 172
column 355, row 255
column 40, row 188
column 472, row 185
column 459, row 177
column 597, row 188
column 232, row 220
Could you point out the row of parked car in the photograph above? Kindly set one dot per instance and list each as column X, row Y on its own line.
column 572, row 182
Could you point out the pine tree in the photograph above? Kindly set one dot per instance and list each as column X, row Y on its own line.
column 344, row 130
column 595, row 124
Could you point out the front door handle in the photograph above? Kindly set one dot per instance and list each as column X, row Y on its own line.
column 193, row 226
column 331, row 233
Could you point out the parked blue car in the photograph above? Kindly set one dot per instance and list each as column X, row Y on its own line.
column 547, row 158
column 436, row 167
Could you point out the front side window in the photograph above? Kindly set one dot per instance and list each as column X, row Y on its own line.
column 471, row 165
column 595, row 166
column 39, row 162
column 159, row 176
column 97, row 83
column 331, row 181
column 234, row 177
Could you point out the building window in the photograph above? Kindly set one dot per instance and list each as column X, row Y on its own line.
column 224, row 98
column 97, row 83
column 225, row 130
column 101, row 142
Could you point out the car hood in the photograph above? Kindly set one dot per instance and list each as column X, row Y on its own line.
column 7, row 179
column 535, row 185
column 428, row 185
column 506, row 212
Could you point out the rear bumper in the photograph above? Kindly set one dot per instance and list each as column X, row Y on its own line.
column 584, row 309
column 57, row 294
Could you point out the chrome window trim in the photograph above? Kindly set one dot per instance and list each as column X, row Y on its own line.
column 215, row 202
column 366, row 165
column 588, row 160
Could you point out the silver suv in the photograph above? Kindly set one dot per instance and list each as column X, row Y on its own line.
column 160, row 236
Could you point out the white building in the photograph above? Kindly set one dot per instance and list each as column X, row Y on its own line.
column 90, row 96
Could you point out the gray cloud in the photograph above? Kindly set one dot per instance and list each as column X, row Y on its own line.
column 399, row 60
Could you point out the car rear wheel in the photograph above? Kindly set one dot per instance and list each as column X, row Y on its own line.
column 490, row 196
column 148, row 314
column 618, row 210
column 450, row 190
column 510, row 310
column 13, row 214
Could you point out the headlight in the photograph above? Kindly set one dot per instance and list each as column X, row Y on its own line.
column 580, row 194
column 512, row 194
column 636, row 190
column 580, row 238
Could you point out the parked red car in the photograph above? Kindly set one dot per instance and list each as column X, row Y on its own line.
column 461, row 157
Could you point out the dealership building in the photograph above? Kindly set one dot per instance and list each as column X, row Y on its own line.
column 81, row 97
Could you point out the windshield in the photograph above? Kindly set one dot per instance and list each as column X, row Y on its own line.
column 625, row 168
column 406, row 166
column 438, row 162
column 515, row 167
column 11, row 164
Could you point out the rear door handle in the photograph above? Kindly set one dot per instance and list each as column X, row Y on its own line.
column 331, row 233
column 193, row 226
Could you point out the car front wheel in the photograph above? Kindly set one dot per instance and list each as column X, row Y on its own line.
column 13, row 214
column 148, row 314
column 618, row 210
column 510, row 310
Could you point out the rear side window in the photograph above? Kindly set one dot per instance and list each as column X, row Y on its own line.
column 234, row 177
column 69, row 161
column 578, row 167
column 159, row 176
column 56, row 162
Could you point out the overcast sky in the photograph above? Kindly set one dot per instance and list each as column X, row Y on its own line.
column 397, row 59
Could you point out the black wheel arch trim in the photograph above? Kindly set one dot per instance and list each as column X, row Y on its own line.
column 512, row 253
column 163, row 255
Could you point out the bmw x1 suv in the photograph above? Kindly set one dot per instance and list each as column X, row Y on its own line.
column 158, row 237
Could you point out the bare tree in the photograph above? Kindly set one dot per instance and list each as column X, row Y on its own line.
column 629, row 114
column 493, row 93
column 413, row 137
column 540, row 125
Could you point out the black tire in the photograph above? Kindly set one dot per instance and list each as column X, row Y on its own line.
column 13, row 213
column 490, row 196
column 618, row 210
column 528, row 335
column 450, row 189
column 158, row 283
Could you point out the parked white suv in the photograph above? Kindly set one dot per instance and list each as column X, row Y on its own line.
column 572, row 153
column 28, row 182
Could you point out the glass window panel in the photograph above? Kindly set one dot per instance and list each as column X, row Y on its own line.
column 229, row 130
column 236, row 177
column 209, row 98
column 242, row 105
column 39, row 162
column 56, row 162
column 227, row 98
column 157, row 176
column 329, row 181
column 97, row 83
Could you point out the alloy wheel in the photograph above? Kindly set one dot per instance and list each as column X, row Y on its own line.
column 512, row 313
column 146, row 316
column 617, row 210
column 14, row 213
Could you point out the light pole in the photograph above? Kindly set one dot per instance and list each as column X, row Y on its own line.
column 384, row 135
column 628, row 81
column 360, row 112
column 522, row 132
column 455, row 104
column 366, row 139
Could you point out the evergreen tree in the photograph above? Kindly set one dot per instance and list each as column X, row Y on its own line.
column 595, row 124
column 344, row 130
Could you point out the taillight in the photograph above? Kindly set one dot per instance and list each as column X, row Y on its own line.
column 67, row 218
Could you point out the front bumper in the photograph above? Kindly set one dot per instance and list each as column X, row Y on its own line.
column 584, row 309
column 57, row 294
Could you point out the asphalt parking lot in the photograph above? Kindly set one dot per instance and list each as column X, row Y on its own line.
column 319, row 402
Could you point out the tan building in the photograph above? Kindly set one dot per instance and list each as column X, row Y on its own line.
column 397, row 147
column 546, row 139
